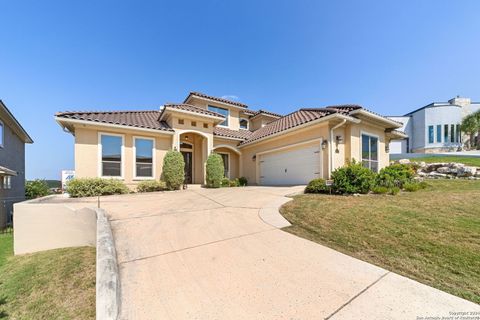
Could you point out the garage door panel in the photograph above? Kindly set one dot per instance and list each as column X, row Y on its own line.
column 297, row 166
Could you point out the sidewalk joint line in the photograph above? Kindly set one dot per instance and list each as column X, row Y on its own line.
column 197, row 246
column 356, row 296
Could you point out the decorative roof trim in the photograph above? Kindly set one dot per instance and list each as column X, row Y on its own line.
column 197, row 114
column 26, row 137
column 377, row 117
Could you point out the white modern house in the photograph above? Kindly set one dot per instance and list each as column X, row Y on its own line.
column 434, row 127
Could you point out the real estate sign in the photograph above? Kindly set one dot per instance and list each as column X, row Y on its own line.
column 67, row 175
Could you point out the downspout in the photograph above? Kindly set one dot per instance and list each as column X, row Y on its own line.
column 330, row 151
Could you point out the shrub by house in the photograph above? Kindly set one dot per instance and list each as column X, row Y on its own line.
column 173, row 169
column 89, row 187
column 215, row 171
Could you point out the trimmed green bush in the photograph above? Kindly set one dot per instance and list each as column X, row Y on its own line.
column 234, row 183
column 242, row 181
column 215, row 171
column 173, row 170
column 225, row 182
column 353, row 178
column 151, row 186
column 36, row 189
column 394, row 190
column 380, row 190
column 414, row 186
column 89, row 187
column 317, row 186
column 395, row 175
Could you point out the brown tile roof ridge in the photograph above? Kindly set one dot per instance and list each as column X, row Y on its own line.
column 192, row 108
column 229, row 133
column 137, row 119
column 203, row 95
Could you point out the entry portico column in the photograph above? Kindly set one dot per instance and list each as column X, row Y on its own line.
column 176, row 141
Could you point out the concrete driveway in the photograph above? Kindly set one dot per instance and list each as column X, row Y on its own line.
column 206, row 254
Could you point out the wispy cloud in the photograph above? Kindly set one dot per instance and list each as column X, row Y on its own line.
column 230, row 97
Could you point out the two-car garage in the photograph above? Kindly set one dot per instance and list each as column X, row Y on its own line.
column 292, row 166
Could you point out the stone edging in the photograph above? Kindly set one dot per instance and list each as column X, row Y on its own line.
column 108, row 280
column 270, row 213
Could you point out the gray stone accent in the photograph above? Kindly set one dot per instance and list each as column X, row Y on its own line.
column 108, row 280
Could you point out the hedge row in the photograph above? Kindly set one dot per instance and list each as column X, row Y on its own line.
column 354, row 178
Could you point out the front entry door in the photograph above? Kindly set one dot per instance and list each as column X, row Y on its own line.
column 187, row 157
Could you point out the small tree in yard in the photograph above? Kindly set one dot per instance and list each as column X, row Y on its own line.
column 215, row 171
column 471, row 125
column 173, row 169
column 36, row 189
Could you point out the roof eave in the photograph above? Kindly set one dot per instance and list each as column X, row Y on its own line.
column 26, row 136
column 214, row 101
column 195, row 114
column 61, row 121
column 392, row 123
column 326, row 118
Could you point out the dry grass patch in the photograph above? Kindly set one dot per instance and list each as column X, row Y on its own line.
column 432, row 235
column 55, row 284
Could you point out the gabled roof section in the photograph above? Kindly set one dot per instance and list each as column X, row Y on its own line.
column 204, row 96
column 267, row 113
column 183, row 107
column 14, row 124
column 234, row 134
column 138, row 119
column 289, row 121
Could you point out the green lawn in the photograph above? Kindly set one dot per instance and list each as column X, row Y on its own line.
column 469, row 161
column 432, row 235
column 55, row 284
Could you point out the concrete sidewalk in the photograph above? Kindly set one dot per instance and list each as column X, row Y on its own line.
column 206, row 254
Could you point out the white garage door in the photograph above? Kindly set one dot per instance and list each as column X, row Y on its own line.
column 289, row 167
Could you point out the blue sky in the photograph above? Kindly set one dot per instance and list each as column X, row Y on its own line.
column 390, row 56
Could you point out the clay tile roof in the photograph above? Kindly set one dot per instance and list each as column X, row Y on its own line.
column 138, row 119
column 228, row 133
column 202, row 95
column 345, row 108
column 291, row 120
column 194, row 109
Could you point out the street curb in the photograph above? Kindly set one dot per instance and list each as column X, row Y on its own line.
column 108, row 280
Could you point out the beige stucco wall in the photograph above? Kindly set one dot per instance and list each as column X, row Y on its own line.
column 319, row 131
column 87, row 157
column 348, row 149
column 41, row 226
column 234, row 113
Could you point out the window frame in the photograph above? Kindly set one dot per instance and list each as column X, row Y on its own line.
column 227, row 120
column 134, row 147
column 439, row 133
column 228, row 161
column 122, row 156
column 2, row 131
column 446, row 134
column 370, row 135
column 452, row 133
column 431, row 134
column 240, row 123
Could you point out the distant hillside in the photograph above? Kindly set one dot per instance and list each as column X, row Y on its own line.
column 54, row 183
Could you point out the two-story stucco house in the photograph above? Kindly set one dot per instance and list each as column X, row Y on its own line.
column 265, row 147
column 12, row 163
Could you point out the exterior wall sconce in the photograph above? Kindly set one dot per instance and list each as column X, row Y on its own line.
column 339, row 139
column 387, row 147
column 254, row 158
column 324, row 144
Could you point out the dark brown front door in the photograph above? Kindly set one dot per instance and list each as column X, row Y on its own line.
column 187, row 157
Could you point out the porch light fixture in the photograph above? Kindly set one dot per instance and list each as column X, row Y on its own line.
column 324, row 144
column 186, row 138
column 339, row 139
column 254, row 158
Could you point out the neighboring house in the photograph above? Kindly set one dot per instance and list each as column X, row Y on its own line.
column 12, row 163
column 434, row 127
column 265, row 147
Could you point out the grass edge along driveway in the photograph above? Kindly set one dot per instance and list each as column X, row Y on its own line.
column 432, row 236
column 54, row 284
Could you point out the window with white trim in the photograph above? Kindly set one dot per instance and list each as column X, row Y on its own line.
column 370, row 152
column 111, row 155
column 144, row 149
column 430, row 134
column 7, row 182
column 223, row 112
